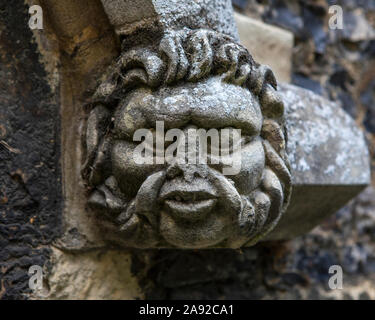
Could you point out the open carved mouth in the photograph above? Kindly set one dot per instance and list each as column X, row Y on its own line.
column 190, row 205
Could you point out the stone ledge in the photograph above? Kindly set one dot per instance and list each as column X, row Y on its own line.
column 329, row 158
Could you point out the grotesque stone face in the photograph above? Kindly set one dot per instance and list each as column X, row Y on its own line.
column 196, row 205
column 176, row 203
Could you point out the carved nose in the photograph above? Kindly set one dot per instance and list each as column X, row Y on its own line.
column 187, row 171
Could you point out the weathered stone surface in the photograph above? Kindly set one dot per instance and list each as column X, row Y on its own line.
column 209, row 82
column 87, row 44
column 325, row 145
column 163, row 15
column 90, row 276
column 329, row 159
column 267, row 44
column 30, row 176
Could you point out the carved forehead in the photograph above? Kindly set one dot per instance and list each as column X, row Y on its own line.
column 207, row 104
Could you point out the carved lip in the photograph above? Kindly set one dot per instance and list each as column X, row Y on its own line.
column 187, row 196
column 191, row 205
column 192, row 210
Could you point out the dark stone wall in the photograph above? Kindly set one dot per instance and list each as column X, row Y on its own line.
column 30, row 183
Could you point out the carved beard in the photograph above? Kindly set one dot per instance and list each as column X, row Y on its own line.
column 202, row 211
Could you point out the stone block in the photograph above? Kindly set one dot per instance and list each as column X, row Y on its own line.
column 162, row 15
column 329, row 158
column 267, row 44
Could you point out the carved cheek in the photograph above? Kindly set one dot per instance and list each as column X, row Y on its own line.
column 130, row 175
column 252, row 166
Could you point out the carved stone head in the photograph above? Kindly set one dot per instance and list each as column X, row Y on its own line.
column 192, row 79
